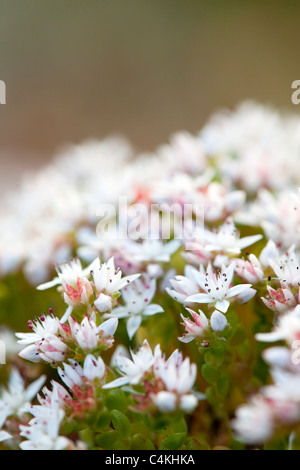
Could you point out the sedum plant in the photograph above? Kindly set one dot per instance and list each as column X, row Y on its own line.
column 152, row 303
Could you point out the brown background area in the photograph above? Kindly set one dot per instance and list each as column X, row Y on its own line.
column 145, row 68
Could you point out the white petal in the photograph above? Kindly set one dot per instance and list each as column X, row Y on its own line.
column 186, row 338
column 109, row 327
column 165, row 401
column 247, row 241
column 236, row 290
column 117, row 383
column 218, row 321
column 4, row 436
column 127, row 280
column 30, row 354
column 66, row 314
column 47, row 285
column 103, row 303
column 118, row 312
column 133, row 324
column 200, row 298
column 269, row 337
column 153, row 309
column 34, row 387
column 222, row 305
column 93, row 368
column 188, row 403
column 176, row 295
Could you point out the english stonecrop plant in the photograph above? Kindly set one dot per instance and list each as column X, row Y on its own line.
column 151, row 342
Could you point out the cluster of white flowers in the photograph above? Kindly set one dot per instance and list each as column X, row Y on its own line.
column 238, row 244
column 277, row 405
column 168, row 383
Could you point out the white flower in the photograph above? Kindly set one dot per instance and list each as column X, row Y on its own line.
column 153, row 250
column 173, row 379
column 8, row 337
column 217, row 288
column 287, row 268
column 196, row 328
column 253, row 423
column 43, row 430
column 133, row 370
column 227, row 240
column 88, row 335
column 74, row 375
column 46, row 343
column 268, row 252
column 184, row 286
column 73, row 279
column 137, row 297
column 120, row 350
column 108, row 282
column 287, row 328
column 280, row 300
column 178, row 377
column 250, row 271
column 17, row 400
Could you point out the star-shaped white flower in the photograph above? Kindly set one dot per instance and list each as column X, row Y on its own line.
column 133, row 370
column 217, row 290
column 108, row 281
column 16, row 399
column 137, row 298
column 227, row 239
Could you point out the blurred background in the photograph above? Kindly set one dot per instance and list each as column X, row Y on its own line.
column 76, row 69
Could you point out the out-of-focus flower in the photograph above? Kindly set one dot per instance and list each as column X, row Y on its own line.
column 16, row 400
column 43, row 430
column 9, row 339
column 184, row 286
column 287, row 329
column 287, row 268
column 280, row 300
column 153, row 250
column 226, row 239
column 254, row 422
column 250, row 271
column 4, row 436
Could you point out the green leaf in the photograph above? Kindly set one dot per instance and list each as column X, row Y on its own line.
column 140, row 442
column 116, row 400
column 173, row 442
column 107, row 440
column 157, row 424
column 179, row 426
column 210, row 373
column 197, row 444
column 215, row 355
column 103, row 420
column 223, row 386
column 121, row 424
column 212, row 397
